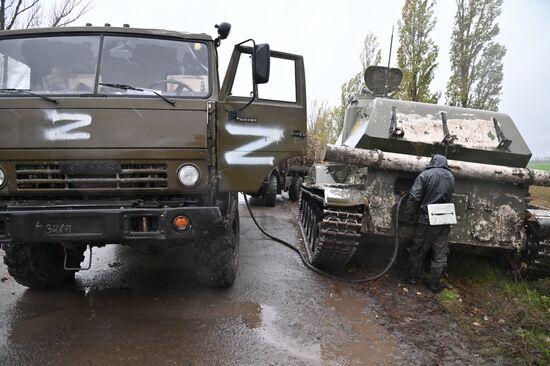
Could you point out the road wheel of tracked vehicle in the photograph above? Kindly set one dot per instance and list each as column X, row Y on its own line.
column 40, row 266
column 294, row 189
column 270, row 196
column 217, row 259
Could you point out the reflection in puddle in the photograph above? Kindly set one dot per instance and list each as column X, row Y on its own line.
column 263, row 322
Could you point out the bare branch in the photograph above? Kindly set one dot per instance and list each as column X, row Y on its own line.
column 30, row 13
column 69, row 11
column 18, row 11
column 14, row 16
column 34, row 16
column 6, row 7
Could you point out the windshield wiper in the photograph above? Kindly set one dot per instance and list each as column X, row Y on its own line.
column 25, row 91
column 129, row 87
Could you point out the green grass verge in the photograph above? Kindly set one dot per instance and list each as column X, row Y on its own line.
column 483, row 295
column 451, row 301
column 540, row 196
column 541, row 166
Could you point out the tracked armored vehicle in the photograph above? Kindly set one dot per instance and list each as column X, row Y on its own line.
column 351, row 200
column 119, row 135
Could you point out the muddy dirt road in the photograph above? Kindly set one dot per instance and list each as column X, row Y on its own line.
column 136, row 309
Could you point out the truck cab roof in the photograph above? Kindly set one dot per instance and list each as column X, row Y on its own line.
column 105, row 30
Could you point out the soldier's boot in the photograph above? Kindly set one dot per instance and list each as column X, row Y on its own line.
column 414, row 272
column 434, row 283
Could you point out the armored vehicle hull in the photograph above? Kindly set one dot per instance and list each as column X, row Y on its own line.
column 351, row 200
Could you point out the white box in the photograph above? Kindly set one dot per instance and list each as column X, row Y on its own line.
column 442, row 214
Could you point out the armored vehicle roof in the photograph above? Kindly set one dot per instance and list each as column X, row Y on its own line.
column 425, row 129
column 117, row 30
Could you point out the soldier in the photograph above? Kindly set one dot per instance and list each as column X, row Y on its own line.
column 434, row 185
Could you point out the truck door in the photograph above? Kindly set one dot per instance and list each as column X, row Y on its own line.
column 269, row 130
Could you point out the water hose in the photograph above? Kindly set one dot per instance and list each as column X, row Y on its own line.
column 326, row 274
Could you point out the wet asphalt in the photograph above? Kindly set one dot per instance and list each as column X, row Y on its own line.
column 136, row 309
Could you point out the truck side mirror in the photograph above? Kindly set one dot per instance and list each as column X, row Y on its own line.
column 261, row 63
column 223, row 31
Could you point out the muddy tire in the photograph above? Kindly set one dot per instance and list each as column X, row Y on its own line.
column 294, row 189
column 40, row 266
column 217, row 259
column 270, row 196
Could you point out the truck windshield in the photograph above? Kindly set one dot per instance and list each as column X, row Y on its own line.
column 79, row 65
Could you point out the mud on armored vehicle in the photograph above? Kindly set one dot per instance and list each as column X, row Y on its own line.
column 125, row 136
column 385, row 143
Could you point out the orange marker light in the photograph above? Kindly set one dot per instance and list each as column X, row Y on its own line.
column 181, row 223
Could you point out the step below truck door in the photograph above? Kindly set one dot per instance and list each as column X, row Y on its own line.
column 271, row 129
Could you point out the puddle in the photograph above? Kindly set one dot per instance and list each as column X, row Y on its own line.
column 263, row 323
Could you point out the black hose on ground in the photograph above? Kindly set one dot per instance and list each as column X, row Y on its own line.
column 323, row 273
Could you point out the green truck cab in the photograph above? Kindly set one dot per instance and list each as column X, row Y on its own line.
column 126, row 136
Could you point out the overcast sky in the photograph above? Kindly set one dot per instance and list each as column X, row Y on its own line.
column 329, row 35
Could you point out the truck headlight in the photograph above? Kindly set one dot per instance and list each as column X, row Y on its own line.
column 188, row 175
column 2, row 177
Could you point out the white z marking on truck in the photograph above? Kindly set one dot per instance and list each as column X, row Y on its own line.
column 71, row 122
column 267, row 136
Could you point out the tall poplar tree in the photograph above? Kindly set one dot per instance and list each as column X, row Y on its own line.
column 417, row 52
column 476, row 59
column 370, row 55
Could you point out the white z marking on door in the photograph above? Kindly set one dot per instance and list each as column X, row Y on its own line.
column 71, row 122
column 267, row 136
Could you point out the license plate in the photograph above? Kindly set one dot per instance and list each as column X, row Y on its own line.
column 51, row 228
column 67, row 226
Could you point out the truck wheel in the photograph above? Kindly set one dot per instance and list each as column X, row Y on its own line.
column 294, row 189
column 270, row 196
column 217, row 259
column 40, row 266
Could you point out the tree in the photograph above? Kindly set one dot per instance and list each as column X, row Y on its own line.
column 16, row 14
column 486, row 94
column 417, row 52
column 370, row 55
column 322, row 129
column 476, row 59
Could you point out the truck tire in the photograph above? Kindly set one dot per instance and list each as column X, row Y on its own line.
column 294, row 189
column 40, row 266
column 217, row 259
column 270, row 196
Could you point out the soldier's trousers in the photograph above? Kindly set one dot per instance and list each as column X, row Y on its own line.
column 430, row 237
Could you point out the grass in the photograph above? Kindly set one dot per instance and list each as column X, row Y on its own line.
column 541, row 166
column 487, row 302
column 540, row 196
column 451, row 301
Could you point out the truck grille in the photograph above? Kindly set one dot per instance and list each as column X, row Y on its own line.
column 49, row 177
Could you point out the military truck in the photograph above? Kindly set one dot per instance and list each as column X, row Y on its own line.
column 119, row 135
column 351, row 201
column 286, row 177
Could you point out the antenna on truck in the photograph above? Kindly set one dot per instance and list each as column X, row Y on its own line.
column 389, row 61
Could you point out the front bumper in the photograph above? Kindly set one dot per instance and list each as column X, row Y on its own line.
column 107, row 225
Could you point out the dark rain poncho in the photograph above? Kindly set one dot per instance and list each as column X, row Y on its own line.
column 434, row 185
